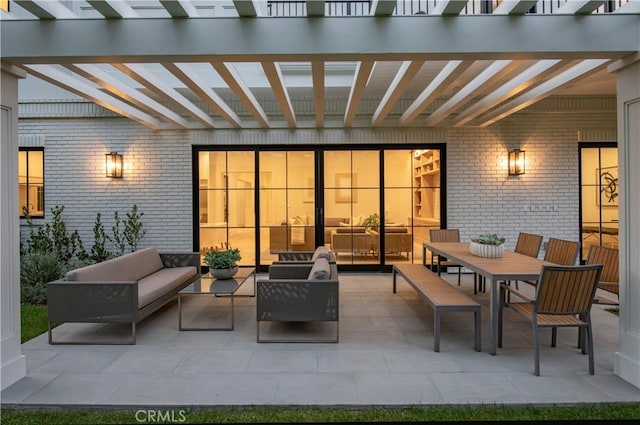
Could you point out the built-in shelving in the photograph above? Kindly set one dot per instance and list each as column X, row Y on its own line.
column 426, row 176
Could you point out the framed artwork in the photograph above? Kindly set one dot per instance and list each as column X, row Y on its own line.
column 607, row 191
column 344, row 184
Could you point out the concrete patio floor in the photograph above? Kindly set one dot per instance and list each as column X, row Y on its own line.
column 385, row 357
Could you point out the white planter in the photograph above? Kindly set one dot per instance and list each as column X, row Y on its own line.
column 486, row 251
column 222, row 274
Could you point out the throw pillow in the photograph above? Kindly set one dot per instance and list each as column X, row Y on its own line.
column 320, row 270
column 320, row 252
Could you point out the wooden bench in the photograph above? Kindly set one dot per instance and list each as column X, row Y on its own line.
column 440, row 295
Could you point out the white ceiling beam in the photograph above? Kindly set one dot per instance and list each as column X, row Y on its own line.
column 246, row 8
column 383, row 7
column 317, row 75
column 272, row 71
column 514, row 7
column 96, row 75
column 87, row 91
column 400, row 82
column 113, row 9
column 579, row 7
column 495, row 71
column 140, row 74
column 545, row 89
column 230, row 76
column 360, row 79
column 440, row 83
column 201, row 88
column 448, row 7
column 180, row 8
column 47, row 9
column 529, row 77
column 315, row 7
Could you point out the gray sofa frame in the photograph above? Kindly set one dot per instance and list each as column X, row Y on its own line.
column 289, row 296
column 110, row 302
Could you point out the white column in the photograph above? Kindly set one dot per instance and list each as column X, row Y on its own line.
column 14, row 365
column 627, row 360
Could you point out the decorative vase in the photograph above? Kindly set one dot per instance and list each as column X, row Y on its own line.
column 486, row 251
column 222, row 274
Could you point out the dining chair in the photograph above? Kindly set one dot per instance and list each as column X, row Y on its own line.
column 445, row 235
column 564, row 296
column 527, row 244
column 610, row 278
column 561, row 252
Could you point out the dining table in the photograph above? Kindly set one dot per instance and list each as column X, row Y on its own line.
column 511, row 266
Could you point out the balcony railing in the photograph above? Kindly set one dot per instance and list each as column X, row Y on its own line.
column 418, row 7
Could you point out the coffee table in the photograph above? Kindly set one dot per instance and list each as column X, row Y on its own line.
column 207, row 285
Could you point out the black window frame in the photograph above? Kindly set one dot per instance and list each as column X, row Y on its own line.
column 33, row 149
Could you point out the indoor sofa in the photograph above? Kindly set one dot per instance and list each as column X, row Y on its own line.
column 125, row 289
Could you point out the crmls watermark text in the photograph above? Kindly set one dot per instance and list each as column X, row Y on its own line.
column 164, row 416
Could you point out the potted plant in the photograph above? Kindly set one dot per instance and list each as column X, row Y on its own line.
column 487, row 245
column 223, row 261
column 372, row 222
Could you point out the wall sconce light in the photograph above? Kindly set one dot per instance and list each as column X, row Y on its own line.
column 516, row 162
column 114, row 165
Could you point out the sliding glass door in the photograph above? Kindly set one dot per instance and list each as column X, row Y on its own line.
column 372, row 206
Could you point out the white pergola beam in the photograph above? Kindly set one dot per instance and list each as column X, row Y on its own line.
column 440, row 83
column 580, row 7
column 494, row 71
column 47, row 9
column 545, row 89
column 317, row 75
column 201, row 88
column 360, row 79
column 383, row 7
column 180, row 8
column 531, row 76
column 364, row 39
column 139, row 73
column 272, row 71
column 96, row 75
column 85, row 90
column 448, row 7
column 113, row 9
column 229, row 74
column 246, row 8
column 315, row 7
column 514, row 7
column 400, row 82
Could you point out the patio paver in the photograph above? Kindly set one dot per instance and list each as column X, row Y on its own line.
column 384, row 357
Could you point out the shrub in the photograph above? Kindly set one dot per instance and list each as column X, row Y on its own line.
column 36, row 269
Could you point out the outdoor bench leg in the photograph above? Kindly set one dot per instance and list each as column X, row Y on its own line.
column 436, row 330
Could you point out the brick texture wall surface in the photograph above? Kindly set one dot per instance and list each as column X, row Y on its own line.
column 158, row 171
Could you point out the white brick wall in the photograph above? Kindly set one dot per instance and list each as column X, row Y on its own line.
column 481, row 197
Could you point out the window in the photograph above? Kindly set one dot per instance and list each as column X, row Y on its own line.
column 31, row 181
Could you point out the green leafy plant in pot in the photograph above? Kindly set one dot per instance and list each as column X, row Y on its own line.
column 223, row 261
column 487, row 245
column 372, row 222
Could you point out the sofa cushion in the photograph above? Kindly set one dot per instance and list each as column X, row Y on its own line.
column 129, row 267
column 320, row 270
column 395, row 230
column 159, row 283
column 320, row 252
column 351, row 230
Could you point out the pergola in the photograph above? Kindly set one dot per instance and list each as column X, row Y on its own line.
column 159, row 69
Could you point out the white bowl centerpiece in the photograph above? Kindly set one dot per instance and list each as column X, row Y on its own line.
column 223, row 261
column 487, row 245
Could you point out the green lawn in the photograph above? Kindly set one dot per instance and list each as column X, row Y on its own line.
column 33, row 321
column 312, row 415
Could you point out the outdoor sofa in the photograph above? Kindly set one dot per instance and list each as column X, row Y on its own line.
column 125, row 289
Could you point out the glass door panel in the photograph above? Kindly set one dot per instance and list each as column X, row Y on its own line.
column 352, row 205
column 287, row 203
column 226, row 202
column 599, row 193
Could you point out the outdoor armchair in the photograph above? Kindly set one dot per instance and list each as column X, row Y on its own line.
column 445, row 235
column 610, row 277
